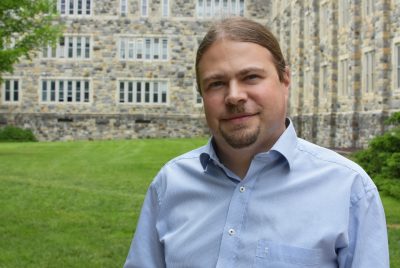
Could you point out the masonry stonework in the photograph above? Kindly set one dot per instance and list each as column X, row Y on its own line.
column 330, row 104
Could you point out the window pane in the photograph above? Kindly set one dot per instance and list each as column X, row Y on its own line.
column 78, row 91
column 87, row 47
column 121, row 92
column 16, row 90
column 44, row 90
column 130, row 92
column 53, row 90
column 155, row 92
column 61, row 91
column 8, row 90
column 69, row 92
column 147, row 92
column 147, row 48
column 156, row 49
column 86, row 95
column 88, row 7
column 138, row 92
column 165, row 49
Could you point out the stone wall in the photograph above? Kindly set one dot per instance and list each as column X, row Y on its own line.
column 313, row 40
column 322, row 108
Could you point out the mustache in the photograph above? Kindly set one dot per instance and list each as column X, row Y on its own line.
column 236, row 109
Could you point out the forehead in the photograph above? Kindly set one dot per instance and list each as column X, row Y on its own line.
column 228, row 54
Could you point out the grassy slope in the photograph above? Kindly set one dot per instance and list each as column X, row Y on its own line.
column 75, row 204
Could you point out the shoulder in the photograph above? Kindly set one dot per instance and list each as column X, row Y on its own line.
column 338, row 166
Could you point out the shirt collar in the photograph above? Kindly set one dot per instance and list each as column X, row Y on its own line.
column 286, row 143
column 284, row 146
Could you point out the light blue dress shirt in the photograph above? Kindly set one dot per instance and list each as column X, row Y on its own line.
column 300, row 205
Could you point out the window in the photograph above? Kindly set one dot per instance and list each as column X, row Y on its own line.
column 123, row 6
column 323, row 20
column 368, row 7
column 71, row 47
column 154, row 48
column 308, row 29
column 11, row 91
column 343, row 82
column 65, row 91
column 308, row 87
column 344, row 15
column 368, row 80
column 165, row 8
column 212, row 8
column 144, row 8
column 396, row 65
column 142, row 92
column 75, row 7
column 323, row 86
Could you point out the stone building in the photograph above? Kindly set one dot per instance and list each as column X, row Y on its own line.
column 345, row 62
column 125, row 68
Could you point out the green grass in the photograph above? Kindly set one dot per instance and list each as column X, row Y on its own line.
column 75, row 204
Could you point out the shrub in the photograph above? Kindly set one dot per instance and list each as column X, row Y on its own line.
column 381, row 160
column 11, row 133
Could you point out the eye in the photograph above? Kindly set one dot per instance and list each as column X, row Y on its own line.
column 215, row 85
column 252, row 77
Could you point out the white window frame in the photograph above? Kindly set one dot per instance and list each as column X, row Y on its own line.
column 78, row 45
column 165, row 8
column 307, row 85
column 144, row 8
column 368, row 8
column 396, row 65
column 12, row 90
column 157, row 94
column 323, row 20
column 294, row 91
column 343, row 77
column 71, row 7
column 217, row 8
column 344, row 13
column 143, row 48
column 323, row 81
column 368, row 74
column 294, row 36
column 58, row 90
column 307, row 25
column 123, row 7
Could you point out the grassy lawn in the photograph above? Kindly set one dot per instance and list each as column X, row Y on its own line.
column 75, row 204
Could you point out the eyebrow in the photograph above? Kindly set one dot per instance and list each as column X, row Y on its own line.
column 248, row 70
column 242, row 72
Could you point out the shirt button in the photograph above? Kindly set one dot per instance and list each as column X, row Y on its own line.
column 231, row 232
column 242, row 189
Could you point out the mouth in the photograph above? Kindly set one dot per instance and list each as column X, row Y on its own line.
column 239, row 118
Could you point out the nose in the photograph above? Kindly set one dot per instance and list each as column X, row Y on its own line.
column 235, row 94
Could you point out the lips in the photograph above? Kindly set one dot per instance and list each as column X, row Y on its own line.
column 239, row 118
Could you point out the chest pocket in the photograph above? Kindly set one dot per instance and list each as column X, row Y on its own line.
column 272, row 254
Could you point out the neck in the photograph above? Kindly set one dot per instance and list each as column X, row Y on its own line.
column 237, row 160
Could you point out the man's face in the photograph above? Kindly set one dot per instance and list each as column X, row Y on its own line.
column 244, row 101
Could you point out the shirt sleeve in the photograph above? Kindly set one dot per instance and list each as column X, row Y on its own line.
column 146, row 250
column 368, row 241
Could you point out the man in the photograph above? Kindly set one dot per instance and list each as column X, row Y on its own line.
column 256, row 195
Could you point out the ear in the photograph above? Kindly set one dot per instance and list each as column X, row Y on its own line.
column 286, row 81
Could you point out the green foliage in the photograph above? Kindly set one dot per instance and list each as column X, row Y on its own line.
column 11, row 133
column 382, row 158
column 25, row 26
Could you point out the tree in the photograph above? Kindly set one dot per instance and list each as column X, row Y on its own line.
column 26, row 26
